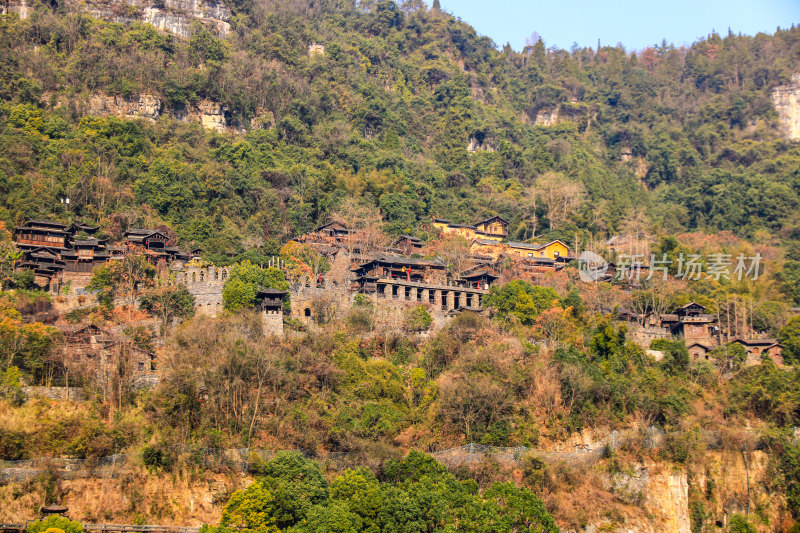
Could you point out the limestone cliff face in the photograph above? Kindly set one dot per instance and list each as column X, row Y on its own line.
column 663, row 495
column 786, row 100
column 174, row 16
column 212, row 115
column 142, row 106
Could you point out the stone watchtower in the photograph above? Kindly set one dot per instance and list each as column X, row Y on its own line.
column 270, row 306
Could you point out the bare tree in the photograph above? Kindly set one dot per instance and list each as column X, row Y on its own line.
column 454, row 250
column 531, row 201
column 561, row 195
column 365, row 224
column 636, row 238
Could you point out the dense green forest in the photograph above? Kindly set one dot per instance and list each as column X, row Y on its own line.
column 386, row 115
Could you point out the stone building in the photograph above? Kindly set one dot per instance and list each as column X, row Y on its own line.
column 691, row 323
column 758, row 348
column 205, row 284
column 270, row 307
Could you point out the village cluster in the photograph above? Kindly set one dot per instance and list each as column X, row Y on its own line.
column 405, row 273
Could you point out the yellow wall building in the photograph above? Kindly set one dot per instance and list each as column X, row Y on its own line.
column 494, row 228
column 551, row 250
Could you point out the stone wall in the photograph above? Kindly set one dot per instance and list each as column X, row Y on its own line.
column 272, row 322
column 313, row 303
column 76, row 394
column 205, row 284
column 643, row 336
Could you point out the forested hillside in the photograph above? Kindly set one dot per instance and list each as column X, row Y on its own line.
column 406, row 109
column 585, row 401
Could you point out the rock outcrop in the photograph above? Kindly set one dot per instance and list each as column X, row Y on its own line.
column 174, row 16
column 786, row 99
column 546, row 117
column 212, row 115
column 142, row 106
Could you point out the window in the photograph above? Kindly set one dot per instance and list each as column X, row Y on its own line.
column 141, row 366
column 307, row 312
column 152, row 366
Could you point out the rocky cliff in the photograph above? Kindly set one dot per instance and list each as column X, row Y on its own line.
column 174, row 16
column 786, row 100
column 210, row 114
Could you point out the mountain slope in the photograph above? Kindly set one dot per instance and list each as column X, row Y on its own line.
column 407, row 109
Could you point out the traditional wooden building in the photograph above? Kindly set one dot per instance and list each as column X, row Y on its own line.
column 46, row 264
column 480, row 279
column 408, row 245
column 51, row 249
column 148, row 239
column 403, row 268
column 42, row 234
column 270, row 300
column 493, row 228
column 83, row 255
column 333, row 229
column 83, row 227
column 155, row 243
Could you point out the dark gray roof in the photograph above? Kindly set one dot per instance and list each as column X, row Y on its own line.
column 49, row 223
column 757, row 342
column 468, row 226
column 497, row 217
column 525, row 245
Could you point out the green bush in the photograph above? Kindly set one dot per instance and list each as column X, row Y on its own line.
column 158, row 456
column 54, row 521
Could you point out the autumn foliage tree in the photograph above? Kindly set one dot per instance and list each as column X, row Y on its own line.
column 303, row 262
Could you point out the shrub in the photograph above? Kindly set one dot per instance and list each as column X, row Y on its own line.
column 55, row 522
column 158, row 456
column 418, row 319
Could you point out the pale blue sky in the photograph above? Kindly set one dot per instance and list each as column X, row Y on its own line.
column 634, row 23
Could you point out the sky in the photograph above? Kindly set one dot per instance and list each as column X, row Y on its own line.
column 634, row 23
